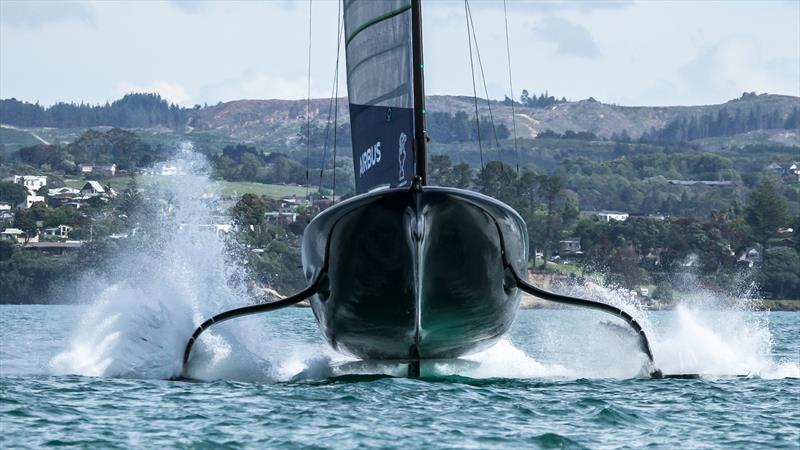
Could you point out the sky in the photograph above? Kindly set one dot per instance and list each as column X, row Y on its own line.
column 195, row 52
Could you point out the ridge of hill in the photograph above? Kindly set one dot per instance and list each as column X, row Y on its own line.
column 261, row 119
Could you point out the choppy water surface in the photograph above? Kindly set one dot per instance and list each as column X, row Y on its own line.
column 516, row 396
column 96, row 374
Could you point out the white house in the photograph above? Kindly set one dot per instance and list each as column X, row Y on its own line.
column 92, row 188
column 86, row 169
column 32, row 182
column 63, row 191
column 61, row 231
column 30, row 200
column 107, row 170
column 607, row 216
column 16, row 235
column 168, row 170
column 5, row 206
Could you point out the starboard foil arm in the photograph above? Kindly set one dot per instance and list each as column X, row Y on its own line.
column 644, row 343
column 246, row 311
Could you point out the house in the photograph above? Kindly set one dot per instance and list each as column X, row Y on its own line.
column 61, row 196
column 30, row 200
column 106, row 170
column 16, row 235
column 691, row 260
column 570, row 246
column 86, row 169
column 61, row 231
column 92, row 188
column 702, row 182
column 63, row 191
column 775, row 167
column 5, row 206
column 281, row 217
column 32, row 182
column 164, row 169
column 607, row 216
column 293, row 202
column 749, row 258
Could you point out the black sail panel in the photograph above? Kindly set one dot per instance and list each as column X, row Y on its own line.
column 380, row 90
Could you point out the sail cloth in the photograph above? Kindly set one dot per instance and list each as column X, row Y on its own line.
column 381, row 92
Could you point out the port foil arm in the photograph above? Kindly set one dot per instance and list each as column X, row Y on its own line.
column 246, row 311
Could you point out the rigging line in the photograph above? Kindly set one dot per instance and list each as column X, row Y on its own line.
column 511, row 86
column 334, row 88
column 474, row 89
column 485, row 88
column 308, row 103
column 336, row 107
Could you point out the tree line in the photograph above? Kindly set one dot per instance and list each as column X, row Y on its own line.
column 722, row 123
column 136, row 110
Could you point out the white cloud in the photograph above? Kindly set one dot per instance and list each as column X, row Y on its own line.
column 35, row 14
column 737, row 64
column 571, row 39
column 254, row 84
column 172, row 92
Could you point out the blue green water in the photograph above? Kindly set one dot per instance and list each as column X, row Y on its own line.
column 565, row 379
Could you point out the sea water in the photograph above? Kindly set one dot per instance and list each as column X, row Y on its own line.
column 97, row 373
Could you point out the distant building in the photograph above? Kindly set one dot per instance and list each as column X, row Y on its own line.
column 32, row 182
column 30, row 200
column 750, row 258
column 570, row 246
column 63, row 191
column 106, row 170
column 293, row 202
column 702, row 182
column 691, row 260
column 61, row 231
column 607, row 216
column 164, row 169
column 86, row 169
column 16, row 235
column 92, row 188
column 5, row 206
column 281, row 217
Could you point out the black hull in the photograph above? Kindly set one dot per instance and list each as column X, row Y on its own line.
column 407, row 274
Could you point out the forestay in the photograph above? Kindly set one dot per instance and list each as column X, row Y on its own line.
column 380, row 88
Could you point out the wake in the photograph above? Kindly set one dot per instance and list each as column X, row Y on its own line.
column 163, row 287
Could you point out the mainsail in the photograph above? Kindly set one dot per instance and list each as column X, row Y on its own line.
column 378, row 42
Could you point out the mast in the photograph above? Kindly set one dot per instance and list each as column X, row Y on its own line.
column 420, row 133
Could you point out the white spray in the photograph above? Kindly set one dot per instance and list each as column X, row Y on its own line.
column 158, row 292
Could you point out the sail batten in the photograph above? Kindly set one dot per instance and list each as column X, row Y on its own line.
column 381, row 91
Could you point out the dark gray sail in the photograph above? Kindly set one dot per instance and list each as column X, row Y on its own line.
column 380, row 90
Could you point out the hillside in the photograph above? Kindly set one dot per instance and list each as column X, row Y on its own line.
column 257, row 120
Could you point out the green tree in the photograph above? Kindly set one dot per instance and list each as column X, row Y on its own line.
column 12, row 193
column 766, row 211
column 25, row 220
column 780, row 274
column 551, row 187
column 250, row 210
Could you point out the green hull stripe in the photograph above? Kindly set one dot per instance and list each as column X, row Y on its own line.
column 378, row 19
